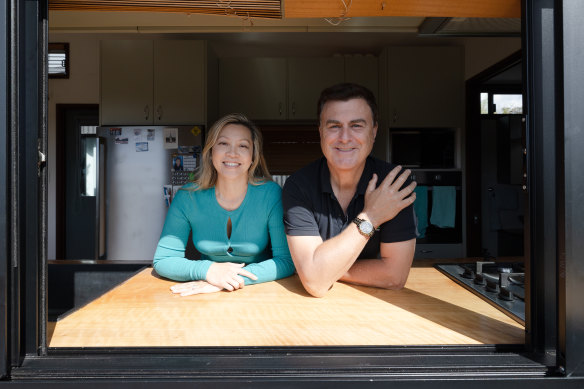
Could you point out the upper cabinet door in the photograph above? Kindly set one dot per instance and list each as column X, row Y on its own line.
column 255, row 87
column 425, row 86
column 126, row 82
column 179, row 82
column 307, row 77
column 363, row 70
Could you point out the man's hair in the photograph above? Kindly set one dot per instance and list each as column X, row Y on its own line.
column 345, row 92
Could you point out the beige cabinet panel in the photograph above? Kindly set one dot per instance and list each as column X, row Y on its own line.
column 255, row 87
column 152, row 82
column 307, row 77
column 425, row 86
column 363, row 70
column 126, row 82
column 179, row 82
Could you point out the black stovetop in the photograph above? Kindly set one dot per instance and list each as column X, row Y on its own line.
column 501, row 284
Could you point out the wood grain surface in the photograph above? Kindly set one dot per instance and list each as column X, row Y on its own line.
column 430, row 310
column 423, row 8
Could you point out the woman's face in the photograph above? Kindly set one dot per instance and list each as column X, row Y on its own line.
column 233, row 151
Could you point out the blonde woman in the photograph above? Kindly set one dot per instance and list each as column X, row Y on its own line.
column 234, row 210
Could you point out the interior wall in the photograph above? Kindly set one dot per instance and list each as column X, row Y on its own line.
column 82, row 87
column 480, row 53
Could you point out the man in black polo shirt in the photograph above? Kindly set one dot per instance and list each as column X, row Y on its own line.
column 349, row 216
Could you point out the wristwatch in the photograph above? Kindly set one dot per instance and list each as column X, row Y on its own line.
column 364, row 227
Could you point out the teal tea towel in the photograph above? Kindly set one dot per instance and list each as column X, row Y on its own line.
column 421, row 209
column 443, row 206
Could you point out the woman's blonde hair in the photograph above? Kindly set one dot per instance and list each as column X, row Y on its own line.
column 258, row 171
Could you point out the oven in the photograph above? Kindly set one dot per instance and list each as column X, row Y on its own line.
column 440, row 220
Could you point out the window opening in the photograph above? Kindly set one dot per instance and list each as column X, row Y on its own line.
column 58, row 60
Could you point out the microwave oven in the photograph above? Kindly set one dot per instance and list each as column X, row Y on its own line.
column 425, row 148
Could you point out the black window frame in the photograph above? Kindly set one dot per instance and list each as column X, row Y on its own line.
column 554, row 349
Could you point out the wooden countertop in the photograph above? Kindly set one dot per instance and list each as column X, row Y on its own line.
column 430, row 310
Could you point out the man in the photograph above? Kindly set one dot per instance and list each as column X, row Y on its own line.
column 348, row 216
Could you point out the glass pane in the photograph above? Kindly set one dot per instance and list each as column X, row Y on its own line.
column 89, row 173
column 508, row 104
column 484, row 103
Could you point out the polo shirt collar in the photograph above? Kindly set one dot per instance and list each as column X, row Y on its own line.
column 325, row 177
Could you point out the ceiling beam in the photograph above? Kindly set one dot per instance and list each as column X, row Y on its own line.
column 423, row 8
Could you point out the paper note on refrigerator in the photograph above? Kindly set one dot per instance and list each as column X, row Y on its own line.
column 170, row 138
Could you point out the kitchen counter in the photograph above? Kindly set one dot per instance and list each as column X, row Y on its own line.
column 430, row 310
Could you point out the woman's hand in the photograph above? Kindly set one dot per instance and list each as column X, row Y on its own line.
column 194, row 287
column 227, row 275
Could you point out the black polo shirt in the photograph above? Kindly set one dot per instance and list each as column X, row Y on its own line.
column 311, row 208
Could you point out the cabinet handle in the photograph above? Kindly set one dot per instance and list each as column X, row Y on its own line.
column 280, row 109
column 395, row 116
column 293, row 109
column 146, row 112
column 159, row 112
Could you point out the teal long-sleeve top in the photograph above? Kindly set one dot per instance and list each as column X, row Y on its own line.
column 257, row 235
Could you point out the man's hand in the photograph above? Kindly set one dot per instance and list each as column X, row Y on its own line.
column 386, row 201
column 194, row 287
column 227, row 275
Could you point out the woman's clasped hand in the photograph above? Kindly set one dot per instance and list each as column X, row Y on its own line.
column 219, row 276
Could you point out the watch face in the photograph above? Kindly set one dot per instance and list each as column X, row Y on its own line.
column 366, row 227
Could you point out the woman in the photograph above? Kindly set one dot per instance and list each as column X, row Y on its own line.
column 235, row 213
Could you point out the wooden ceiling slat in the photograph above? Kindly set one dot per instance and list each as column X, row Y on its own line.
column 258, row 8
column 418, row 8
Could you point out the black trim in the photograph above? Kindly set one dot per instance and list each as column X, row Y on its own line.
column 12, row 208
column 539, row 72
column 570, row 185
column 276, row 363
column 435, row 367
column 4, row 193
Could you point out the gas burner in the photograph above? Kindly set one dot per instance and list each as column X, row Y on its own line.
column 502, row 284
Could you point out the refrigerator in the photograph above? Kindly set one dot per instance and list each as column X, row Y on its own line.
column 139, row 169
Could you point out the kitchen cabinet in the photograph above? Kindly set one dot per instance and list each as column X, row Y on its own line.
column 307, row 77
column 179, row 82
column 255, row 87
column 425, row 86
column 152, row 82
column 276, row 88
column 363, row 70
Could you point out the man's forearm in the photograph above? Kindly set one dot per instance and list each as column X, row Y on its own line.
column 389, row 272
column 330, row 261
column 376, row 272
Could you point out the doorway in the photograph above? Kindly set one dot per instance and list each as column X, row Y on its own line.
column 496, row 170
column 76, row 206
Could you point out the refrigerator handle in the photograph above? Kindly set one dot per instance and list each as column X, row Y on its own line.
column 146, row 112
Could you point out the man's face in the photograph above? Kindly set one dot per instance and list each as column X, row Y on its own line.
column 347, row 133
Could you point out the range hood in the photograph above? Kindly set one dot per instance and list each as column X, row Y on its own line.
column 470, row 27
